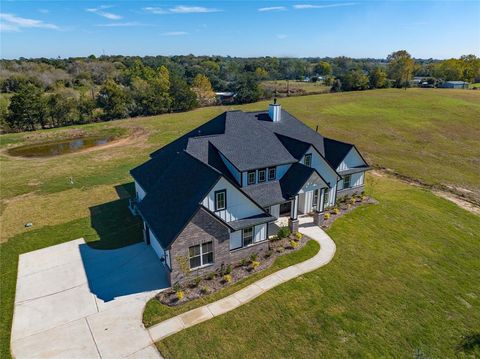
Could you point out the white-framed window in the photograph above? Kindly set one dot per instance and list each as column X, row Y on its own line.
column 200, row 255
column 325, row 197
column 307, row 161
column 347, row 181
column 272, row 173
column 251, row 177
column 262, row 175
column 247, row 236
column 220, row 200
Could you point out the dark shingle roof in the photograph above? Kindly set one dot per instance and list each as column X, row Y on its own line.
column 335, row 151
column 251, row 221
column 266, row 194
column 295, row 147
column 295, row 178
column 176, row 196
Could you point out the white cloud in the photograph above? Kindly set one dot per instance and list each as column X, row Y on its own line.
column 192, row 9
column 281, row 36
column 272, row 8
column 175, row 33
column 120, row 24
column 154, row 10
column 11, row 22
column 108, row 15
column 311, row 6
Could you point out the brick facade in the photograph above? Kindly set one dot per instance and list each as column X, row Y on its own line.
column 202, row 228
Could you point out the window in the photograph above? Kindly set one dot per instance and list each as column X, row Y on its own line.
column 262, row 175
column 347, row 181
column 308, row 160
column 247, row 236
column 325, row 198
column 201, row 255
column 251, row 177
column 315, row 198
column 272, row 173
column 220, row 200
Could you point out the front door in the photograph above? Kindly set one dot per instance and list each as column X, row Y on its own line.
column 285, row 208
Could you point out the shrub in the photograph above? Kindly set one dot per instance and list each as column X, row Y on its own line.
column 336, row 210
column 244, row 262
column 363, row 198
column 227, row 278
column 211, row 275
column 180, row 294
column 269, row 253
column 326, row 216
column 283, row 232
column 293, row 244
column 298, row 235
column 255, row 264
column 204, row 289
column 197, row 281
column 253, row 257
column 176, row 287
column 273, row 238
column 352, row 200
column 280, row 250
column 228, row 270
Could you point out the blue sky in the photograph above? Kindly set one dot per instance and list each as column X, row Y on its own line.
column 438, row 29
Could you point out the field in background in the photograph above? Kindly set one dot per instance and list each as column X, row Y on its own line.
column 427, row 134
column 295, row 88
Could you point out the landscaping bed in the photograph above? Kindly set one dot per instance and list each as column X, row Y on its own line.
column 344, row 206
column 200, row 286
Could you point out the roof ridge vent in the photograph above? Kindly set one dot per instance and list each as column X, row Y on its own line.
column 275, row 111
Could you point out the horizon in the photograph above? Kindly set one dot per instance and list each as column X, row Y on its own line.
column 315, row 29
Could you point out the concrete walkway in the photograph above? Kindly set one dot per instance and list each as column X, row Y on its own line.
column 245, row 295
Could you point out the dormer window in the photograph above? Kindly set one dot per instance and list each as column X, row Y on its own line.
column 220, row 200
column 262, row 175
column 307, row 161
column 251, row 177
column 272, row 173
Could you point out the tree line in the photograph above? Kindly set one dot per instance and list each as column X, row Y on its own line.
column 45, row 93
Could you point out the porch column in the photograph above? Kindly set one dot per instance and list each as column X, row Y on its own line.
column 293, row 220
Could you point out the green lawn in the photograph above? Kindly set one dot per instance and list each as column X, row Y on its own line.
column 427, row 134
column 156, row 312
column 295, row 87
column 404, row 283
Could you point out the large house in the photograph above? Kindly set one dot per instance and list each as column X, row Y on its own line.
column 209, row 198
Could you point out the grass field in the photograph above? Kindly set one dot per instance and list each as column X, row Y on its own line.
column 404, row 283
column 295, row 87
column 431, row 135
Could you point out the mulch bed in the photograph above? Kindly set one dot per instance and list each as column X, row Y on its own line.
column 207, row 285
column 345, row 207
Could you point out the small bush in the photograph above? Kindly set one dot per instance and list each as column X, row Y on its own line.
column 326, row 216
column 336, row 210
column 283, row 232
column 253, row 257
column 180, row 294
column 294, row 244
column 211, row 275
column 204, row 289
column 228, row 269
column 269, row 253
column 176, row 287
column 363, row 198
column 227, row 278
column 255, row 264
column 273, row 238
column 298, row 235
column 352, row 200
column 244, row 262
column 197, row 281
column 280, row 250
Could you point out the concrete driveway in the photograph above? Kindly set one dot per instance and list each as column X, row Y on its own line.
column 76, row 302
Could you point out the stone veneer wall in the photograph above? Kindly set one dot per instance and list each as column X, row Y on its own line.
column 203, row 228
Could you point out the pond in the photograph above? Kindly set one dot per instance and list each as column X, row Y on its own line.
column 56, row 148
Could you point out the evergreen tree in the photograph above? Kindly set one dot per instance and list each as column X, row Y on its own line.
column 247, row 89
column 27, row 108
column 183, row 98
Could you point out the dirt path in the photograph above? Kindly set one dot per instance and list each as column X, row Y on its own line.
column 452, row 197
